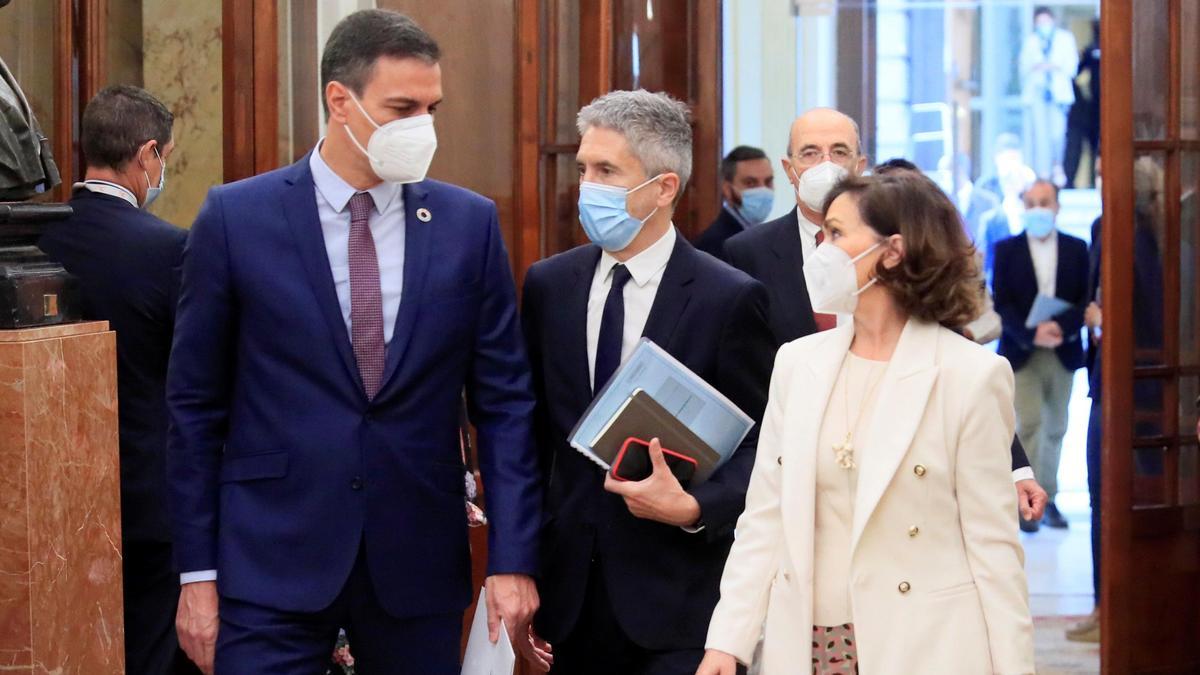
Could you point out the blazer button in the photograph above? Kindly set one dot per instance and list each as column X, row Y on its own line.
column 919, row 470
column 787, row 577
column 356, row 484
column 905, row 587
column 779, row 460
column 914, row 531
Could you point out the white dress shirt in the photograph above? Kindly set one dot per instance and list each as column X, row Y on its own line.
column 808, row 235
column 387, row 229
column 646, row 272
column 1045, row 263
column 104, row 187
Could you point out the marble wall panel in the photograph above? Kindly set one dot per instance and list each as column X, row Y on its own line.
column 60, row 557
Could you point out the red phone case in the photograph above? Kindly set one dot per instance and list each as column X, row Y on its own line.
column 637, row 441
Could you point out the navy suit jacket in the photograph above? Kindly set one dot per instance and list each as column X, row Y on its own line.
column 712, row 240
column 128, row 263
column 662, row 582
column 1014, row 288
column 280, row 467
column 773, row 254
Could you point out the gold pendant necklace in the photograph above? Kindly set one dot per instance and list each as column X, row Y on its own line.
column 844, row 451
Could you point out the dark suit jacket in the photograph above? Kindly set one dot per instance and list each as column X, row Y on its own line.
column 712, row 240
column 1093, row 350
column 773, row 254
column 279, row 464
column 1014, row 288
column 128, row 263
column 662, row 582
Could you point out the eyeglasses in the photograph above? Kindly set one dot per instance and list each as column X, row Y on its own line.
column 812, row 156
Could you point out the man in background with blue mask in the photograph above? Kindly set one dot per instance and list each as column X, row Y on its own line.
column 1048, row 63
column 1041, row 261
column 332, row 314
column 748, row 194
column 631, row 570
column 128, row 262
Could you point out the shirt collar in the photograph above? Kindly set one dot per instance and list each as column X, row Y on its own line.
column 644, row 266
column 338, row 192
column 807, row 226
column 733, row 211
column 104, row 187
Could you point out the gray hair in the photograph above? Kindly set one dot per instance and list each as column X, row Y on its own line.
column 656, row 126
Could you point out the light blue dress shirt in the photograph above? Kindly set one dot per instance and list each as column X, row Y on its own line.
column 387, row 228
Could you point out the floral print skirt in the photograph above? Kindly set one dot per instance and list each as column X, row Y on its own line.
column 834, row 651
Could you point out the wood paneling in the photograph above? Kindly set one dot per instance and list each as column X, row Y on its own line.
column 250, row 62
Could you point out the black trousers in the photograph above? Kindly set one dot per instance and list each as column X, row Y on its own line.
column 151, row 598
column 255, row 640
column 1079, row 132
column 1094, row 437
column 598, row 645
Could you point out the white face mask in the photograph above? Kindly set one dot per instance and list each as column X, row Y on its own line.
column 832, row 281
column 401, row 150
column 816, row 182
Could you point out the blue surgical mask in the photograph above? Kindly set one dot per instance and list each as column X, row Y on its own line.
column 1045, row 30
column 1038, row 222
column 153, row 191
column 757, row 204
column 605, row 217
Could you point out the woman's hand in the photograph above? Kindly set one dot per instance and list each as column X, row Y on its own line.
column 717, row 663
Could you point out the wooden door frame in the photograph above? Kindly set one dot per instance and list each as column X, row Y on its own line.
column 250, row 86
column 1116, row 135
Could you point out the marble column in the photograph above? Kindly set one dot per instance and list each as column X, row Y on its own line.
column 60, row 531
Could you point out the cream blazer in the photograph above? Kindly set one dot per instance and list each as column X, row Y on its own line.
column 937, row 570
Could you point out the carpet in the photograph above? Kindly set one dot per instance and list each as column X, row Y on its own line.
column 1055, row 655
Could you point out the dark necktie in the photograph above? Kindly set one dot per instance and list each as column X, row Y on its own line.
column 612, row 328
column 366, row 301
column 824, row 321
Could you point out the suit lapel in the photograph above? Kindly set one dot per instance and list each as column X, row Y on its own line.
column 1026, row 270
column 899, row 409
column 417, row 236
column 300, row 209
column 789, row 272
column 574, row 326
column 673, row 295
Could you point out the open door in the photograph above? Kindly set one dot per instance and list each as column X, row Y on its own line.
column 1151, row 346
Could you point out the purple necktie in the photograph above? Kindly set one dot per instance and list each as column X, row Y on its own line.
column 366, row 302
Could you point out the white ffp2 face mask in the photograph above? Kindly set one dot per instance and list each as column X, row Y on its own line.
column 831, row 279
column 816, row 183
column 401, row 150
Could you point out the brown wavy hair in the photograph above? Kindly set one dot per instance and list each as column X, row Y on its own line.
column 939, row 278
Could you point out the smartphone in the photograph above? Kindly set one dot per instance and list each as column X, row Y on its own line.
column 633, row 462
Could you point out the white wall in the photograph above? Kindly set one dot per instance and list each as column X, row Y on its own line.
column 775, row 65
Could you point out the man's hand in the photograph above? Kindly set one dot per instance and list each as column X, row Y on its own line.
column 717, row 663
column 196, row 622
column 513, row 599
column 1093, row 317
column 1031, row 499
column 659, row 497
column 1049, row 335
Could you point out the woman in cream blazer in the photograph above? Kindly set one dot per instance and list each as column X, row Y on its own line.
column 934, row 572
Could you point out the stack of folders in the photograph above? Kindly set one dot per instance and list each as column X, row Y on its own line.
column 652, row 395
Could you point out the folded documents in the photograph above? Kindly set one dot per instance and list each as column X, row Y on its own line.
column 696, row 406
column 1044, row 309
column 643, row 418
column 483, row 657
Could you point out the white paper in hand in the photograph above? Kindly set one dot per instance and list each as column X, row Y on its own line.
column 483, row 657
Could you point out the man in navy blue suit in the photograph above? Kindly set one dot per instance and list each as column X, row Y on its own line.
column 128, row 263
column 631, row 570
column 331, row 314
column 1042, row 261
